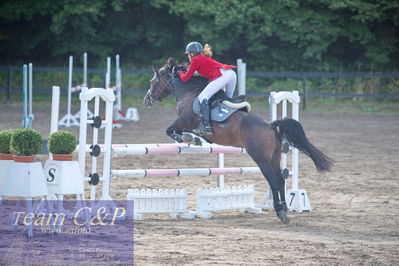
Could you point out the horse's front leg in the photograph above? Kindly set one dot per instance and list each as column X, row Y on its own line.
column 175, row 130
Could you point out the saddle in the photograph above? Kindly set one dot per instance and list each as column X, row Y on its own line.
column 221, row 109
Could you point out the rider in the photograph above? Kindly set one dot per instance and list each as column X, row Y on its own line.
column 219, row 75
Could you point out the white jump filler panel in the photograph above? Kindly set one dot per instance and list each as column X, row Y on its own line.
column 227, row 198
column 172, row 201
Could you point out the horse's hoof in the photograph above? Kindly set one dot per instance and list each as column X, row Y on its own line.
column 282, row 215
column 197, row 141
column 187, row 138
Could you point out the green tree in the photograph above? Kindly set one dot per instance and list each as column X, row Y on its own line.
column 48, row 30
column 273, row 35
column 297, row 35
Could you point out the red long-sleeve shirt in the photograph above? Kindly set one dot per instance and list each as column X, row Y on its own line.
column 206, row 66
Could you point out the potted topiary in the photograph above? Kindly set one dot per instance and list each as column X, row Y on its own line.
column 6, row 157
column 23, row 177
column 25, row 143
column 62, row 144
column 62, row 174
column 5, row 139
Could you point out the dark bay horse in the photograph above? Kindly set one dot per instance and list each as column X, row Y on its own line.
column 261, row 140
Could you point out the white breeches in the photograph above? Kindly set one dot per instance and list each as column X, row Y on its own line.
column 227, row 80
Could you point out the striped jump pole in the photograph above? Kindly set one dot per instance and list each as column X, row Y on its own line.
column 162, row 148
column 140, row 173
column 173, row 148
column 183, row 149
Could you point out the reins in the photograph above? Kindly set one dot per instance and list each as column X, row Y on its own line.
column 168, row 81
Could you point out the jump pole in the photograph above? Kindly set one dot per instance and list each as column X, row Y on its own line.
column 108, row 85
column 28, row 95
column 25, row 88
column 108, row 74
column 55, row 109
column 84, row 70
column 55, row 103
column 137, row 149
column 241, row 73
column 70, row 91
column 179, row 148
column 84, row 84
column 220, row 164
column 31, row 117
column 118, row 81
column 69, row 120
column 131, row 113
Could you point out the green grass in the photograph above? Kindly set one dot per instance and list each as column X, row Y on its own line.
column 259, row 104
column 353, row 106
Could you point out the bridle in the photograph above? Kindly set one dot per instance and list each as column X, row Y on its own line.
column 165, row 79
column 166, row 82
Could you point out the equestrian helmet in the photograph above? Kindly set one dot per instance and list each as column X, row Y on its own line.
column 194, row 47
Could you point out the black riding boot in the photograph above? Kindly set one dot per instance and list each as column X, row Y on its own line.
column 205, row 126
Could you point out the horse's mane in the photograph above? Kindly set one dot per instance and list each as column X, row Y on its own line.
column 195, row 82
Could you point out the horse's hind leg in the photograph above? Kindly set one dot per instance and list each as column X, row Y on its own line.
column 281, row 182
column 274, row 178
column 262, row 145
column 275, row 184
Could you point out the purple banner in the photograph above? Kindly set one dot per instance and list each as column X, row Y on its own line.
column 66, row 233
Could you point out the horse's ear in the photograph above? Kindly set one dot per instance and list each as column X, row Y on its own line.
column 171, row 62
column 156, row 71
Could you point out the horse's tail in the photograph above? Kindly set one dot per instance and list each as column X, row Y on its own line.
column 293, row 132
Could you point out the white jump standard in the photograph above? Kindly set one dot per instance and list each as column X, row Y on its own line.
column 85, row 97
column 131, row 113
column 69, row 119
column 297, row 199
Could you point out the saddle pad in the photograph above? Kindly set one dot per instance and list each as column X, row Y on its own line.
column 219, row 113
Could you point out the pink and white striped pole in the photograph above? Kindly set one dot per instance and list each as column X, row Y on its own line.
column 141, row 173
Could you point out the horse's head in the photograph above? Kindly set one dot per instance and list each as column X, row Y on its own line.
column 161, row 83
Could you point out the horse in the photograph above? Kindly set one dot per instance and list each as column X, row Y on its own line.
column 261, row 140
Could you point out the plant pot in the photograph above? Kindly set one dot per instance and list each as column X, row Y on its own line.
column 24, row 159
column 62, row 157
column 6, row 156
